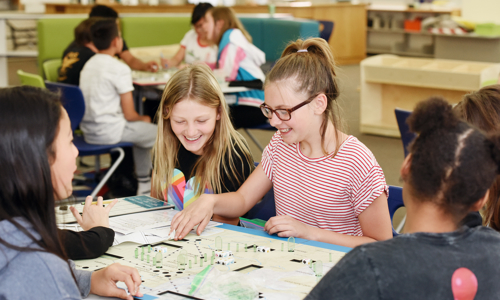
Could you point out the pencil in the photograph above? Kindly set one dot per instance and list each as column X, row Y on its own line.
column 103, row 202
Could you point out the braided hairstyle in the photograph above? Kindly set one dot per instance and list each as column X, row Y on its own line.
column 482, row 109
column 452, row 164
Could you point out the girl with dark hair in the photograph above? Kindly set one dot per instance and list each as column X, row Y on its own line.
column 447, row 174
column 37, row 162
column 194, row 45
column 328, row 186
column 482, row 109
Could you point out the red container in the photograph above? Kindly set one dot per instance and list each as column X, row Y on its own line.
column 413, row 25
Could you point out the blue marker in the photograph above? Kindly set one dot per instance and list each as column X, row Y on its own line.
column 165, row 66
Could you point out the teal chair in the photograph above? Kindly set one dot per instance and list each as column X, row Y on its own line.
column 51, row 69
column 30, row 79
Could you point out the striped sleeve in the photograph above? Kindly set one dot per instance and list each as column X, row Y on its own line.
column 268, row 156
column 367, row 186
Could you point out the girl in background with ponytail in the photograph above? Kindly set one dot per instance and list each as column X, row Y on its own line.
column 441, row 185
column 328, row 186
column 237, row 60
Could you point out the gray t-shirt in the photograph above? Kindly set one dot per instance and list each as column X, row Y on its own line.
column 102, row 80
column 415, row 266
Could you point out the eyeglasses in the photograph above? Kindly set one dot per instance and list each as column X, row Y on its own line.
column 284, row 114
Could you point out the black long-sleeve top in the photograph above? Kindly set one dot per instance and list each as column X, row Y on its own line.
column 87, row 244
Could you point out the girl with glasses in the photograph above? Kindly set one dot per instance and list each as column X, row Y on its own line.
column 328, row 186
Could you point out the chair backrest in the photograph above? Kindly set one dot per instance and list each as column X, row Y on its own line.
column 54, row 35
column 406, row 135
column 72, row 100
column 51, row 69
column 395, row 201
column 265, row 209
column 326, row 30
column 30, row 79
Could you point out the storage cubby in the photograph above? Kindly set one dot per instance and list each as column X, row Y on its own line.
column 389, row 81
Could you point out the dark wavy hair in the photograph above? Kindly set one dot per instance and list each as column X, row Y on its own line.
column 453, row 164
column 29, row 123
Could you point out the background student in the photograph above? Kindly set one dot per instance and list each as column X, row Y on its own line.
column 237, row 60
column 482, row 109
column 110, row 116
column 194, row 46
column 77, row 53
column 196, row 142
column 133, row 62
column 441, row 185
column 328, row 186
column 37, row 156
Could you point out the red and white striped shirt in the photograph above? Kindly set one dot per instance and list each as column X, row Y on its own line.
column 328, row 193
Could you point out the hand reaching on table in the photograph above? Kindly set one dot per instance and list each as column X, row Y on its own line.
column 197, row 213
column 286, row 226
column 93, row 215
column 103, row 282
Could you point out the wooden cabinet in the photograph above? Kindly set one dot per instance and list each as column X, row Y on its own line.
column 389, row 81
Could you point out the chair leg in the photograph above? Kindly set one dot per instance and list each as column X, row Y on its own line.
column 254, row 139
column 401, row 225
column 97, row 164
column 110, row 171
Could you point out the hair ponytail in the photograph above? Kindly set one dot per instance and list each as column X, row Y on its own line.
column 314, row 73
column 452, row 164
column 430, row 115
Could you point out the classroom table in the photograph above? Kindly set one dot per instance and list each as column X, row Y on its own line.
column 159, row 84
column 250, row 255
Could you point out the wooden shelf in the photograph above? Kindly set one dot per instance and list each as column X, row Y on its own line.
column 389, row 81
column 399, row 31
column 403, row 53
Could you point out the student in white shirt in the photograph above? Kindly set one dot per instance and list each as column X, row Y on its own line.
column 110, row 116
column 194, row 46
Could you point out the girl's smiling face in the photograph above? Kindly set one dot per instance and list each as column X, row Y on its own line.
column 193, row 123
column 303, row 121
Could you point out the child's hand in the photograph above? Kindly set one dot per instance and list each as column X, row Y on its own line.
column 165, row 63
column 286, row 226
column 152, row 66
column 93, row 215
column 103, row 282
column 199, row 212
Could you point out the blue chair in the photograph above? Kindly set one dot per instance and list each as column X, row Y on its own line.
column 395, row 201
column 326, row 30
column 73, row 102
column 265, row 126
column 406, row 135
column 265, row 209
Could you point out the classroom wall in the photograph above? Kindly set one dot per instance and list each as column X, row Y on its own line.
column 481, row 10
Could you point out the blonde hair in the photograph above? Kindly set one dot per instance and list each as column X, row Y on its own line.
column 313, row 69
column 230, row 21
column 197, row 83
